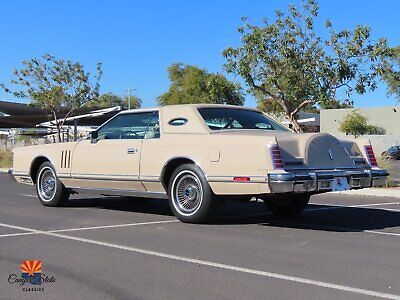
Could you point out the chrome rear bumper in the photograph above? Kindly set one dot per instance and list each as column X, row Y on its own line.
column 321, row 181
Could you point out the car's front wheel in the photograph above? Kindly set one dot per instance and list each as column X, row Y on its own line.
column 287, row 205
column 190, row 195
column 50, row 190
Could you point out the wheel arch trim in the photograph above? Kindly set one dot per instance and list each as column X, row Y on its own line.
column 33, row 162
column 169, row 161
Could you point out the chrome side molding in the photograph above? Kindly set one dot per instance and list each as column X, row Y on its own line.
column 115, row 192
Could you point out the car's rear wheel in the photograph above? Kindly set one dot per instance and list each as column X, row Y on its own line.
column 190, row 195
column 50, row 190
column 287, row 205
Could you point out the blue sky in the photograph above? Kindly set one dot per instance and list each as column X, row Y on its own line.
column 137, row 40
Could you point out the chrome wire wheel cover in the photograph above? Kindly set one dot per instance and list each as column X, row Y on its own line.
column 187, row 193
column 46, row 184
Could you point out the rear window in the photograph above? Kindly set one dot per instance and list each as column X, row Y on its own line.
column 230, row 118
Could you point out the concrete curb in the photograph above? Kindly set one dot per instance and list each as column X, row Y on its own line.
column 381, row 192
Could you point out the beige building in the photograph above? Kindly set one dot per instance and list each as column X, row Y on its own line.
column 385, row 117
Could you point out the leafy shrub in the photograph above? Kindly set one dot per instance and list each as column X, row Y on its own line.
column 394, row 177
column 356, row 124
column 5, row 158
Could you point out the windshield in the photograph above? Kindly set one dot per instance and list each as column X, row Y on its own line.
column 231, row 118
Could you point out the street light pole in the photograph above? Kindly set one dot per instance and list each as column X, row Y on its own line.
column 129, row 97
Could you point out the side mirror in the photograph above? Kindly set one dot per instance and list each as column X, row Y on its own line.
column 94, row 135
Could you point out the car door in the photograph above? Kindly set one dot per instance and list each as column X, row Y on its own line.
column 112, row 161
column 151, row 159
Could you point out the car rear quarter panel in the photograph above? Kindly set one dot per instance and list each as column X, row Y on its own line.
column 356, row 147
column 221, row 158
column 60, row 155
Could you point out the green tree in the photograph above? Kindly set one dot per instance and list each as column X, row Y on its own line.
column 136, row 102
column 5, row 158
column 271, row 105
column 355, row 123
column 110, row 100
column 190, row 84
column 287, row 62
column 334, row 104
column 55, row 85
column 392, row 76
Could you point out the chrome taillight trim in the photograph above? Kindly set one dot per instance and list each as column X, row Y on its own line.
column 369, row 151
column 276, row 157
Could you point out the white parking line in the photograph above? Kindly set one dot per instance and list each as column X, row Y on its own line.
column 90, row 228
column 377, row 204
column 329, row 206
column 215, row 264
column 18, row 194
column 176, row 221
column 17, row 234
column 114, row 226
column 359, row 205
column 337, row 228
column 383, row 232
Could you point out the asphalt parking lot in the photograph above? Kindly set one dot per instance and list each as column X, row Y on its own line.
column 342, row 247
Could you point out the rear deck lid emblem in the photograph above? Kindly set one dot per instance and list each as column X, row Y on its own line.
column 330, row 154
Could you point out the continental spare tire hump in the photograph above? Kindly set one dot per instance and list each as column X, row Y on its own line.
column 316, row 150
column 324, row 150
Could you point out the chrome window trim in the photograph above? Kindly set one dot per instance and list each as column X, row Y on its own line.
column 132, row 113
column 283, row 127
column 126, row 113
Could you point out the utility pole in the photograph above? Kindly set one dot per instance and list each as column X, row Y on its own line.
column 129, row 97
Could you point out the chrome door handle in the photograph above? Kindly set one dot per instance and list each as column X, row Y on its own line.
column 132, row 150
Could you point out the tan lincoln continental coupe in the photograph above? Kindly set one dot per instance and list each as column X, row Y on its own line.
column 197, row 155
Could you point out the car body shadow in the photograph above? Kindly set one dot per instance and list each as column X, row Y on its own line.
column 326, row 218
column 315, row 217
column 134, row 205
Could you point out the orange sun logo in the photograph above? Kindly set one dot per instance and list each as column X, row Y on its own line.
column 31, row 266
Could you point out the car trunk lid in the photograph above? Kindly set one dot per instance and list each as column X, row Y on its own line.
column 321, row 151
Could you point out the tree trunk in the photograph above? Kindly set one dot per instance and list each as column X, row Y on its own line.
column 58, row 127
column 296, row 126
column 58, row 132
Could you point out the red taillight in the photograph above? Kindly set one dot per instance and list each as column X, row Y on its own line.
column 276, row 157
column 371, row 156
column 241, row 179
